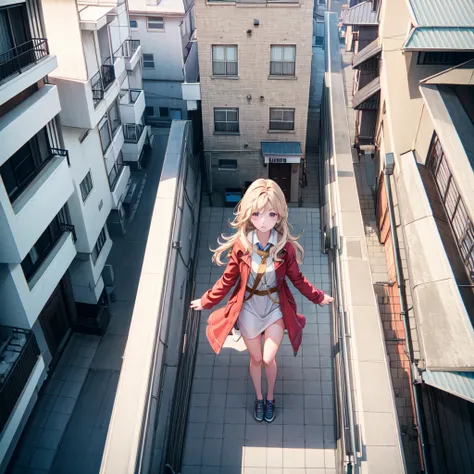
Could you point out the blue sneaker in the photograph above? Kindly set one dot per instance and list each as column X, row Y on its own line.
column 269, row 411
column 259, row 411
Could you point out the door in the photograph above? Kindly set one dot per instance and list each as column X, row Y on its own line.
column 281, row 174
column 55, row 321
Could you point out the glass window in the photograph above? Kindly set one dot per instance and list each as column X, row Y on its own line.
column 282, row 60
column 148, row 61
column 104, row 133
column 155, row 23
column 228, row 164
column 164, row 112
column 133, row 23
column 86, row 186
column 149, row 111
column 99, row 245
column 282, row 119
column 224, row 61
column 226, row 120
column 114, row 117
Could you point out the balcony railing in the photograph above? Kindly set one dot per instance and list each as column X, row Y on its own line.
column 132, row 132
column 131, row 96
column 102, row 80
column 26, row 181
column 129, row 47
column 16, row 59
column 18, row 355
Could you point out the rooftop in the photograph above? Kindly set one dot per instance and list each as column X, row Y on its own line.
column 361, row 14
column 164, row 7
column 442, row 12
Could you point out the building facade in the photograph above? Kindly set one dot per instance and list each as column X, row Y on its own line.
column 413, row 94
column 72, row 125
column 255, row 67
column 165, row 30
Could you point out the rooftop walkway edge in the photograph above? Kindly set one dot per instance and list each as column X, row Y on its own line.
column 380, row 447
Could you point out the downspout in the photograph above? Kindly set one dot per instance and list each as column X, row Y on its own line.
column 414, row 386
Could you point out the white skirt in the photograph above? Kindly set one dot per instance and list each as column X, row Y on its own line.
column 258, row 314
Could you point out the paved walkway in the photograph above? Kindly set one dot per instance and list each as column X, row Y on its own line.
column 222, row 436
column 67, row 430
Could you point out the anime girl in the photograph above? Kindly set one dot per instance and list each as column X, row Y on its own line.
column 262, row 252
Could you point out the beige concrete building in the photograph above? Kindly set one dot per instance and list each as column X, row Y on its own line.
column 413, row 92
column 255, row 63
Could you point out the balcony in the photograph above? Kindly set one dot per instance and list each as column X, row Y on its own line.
column 19, row 354
column 35, row 204
column 132, row 105
column 191, row 88
column 132, row 52
column 27, row 286
column 135, row 136
column 102, row 80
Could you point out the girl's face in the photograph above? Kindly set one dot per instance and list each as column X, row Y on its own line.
column 264, row 220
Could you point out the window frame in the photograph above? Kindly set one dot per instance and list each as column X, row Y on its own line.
column 152, row 60
column 105, row 122
column 282, row 61
column 135, row 20
column 99, row 245
column 282, row 121
column 226, row 62
column 87, row 178
column 118, row 168
column 155, row 19
column 227, row 110
column 227, row 165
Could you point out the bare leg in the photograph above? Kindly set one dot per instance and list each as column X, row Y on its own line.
column 254, row 347
column 273, row 338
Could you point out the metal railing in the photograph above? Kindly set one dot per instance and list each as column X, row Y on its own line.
column 132, row 132
column 129, row 47
column 102, row 80
column 13, row 382
column 26, row 182
column 14, row 60
column 132, row 95
column 65, row 227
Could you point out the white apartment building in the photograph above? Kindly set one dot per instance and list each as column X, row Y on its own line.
column 165, row 30
column 71, row 126
column 255, row 68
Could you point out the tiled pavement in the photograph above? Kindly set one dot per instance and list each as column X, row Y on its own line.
column 222, row 436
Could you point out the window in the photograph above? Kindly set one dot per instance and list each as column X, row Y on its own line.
column 461, row 224
column 155, row 23
column 226, row 120
column 46, row 243
column 224, row 61
column 282, row 119
column 164, row 112
column 25, row 164
column 282, row 60
column 86, row 186
column 149, row 111
column 104, row 132
column 114, row 173
column 148, row 61
column 228, row 165
column 99, row 245
column 443, row 57
column 114, row 117
column 133, row 23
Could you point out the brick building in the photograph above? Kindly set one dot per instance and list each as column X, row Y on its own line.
column 255, row 63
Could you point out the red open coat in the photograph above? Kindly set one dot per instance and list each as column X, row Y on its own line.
column 221, row 322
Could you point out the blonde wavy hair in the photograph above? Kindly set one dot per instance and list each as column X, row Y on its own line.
column 262, row 194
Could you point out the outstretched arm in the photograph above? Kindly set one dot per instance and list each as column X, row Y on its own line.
column 222, row 286
column 301, row 283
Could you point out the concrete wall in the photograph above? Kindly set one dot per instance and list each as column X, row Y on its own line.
column 165, row 45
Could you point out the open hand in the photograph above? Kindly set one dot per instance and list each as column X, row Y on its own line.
column 326, row 300
column 196, row 304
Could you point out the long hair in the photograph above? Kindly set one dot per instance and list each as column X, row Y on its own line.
column 262, row 194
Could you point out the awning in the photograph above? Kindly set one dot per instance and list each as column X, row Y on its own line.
column 440, row 39
column 460, row 384
column 360, row 15
column 368, row 98
column 93, row 17
column 371, row 50
column 282, row 152
column 442, row 12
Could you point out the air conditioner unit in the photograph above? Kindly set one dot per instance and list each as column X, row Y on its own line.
column 108, row 275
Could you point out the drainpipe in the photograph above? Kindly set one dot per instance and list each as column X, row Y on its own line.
column 414, row 386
